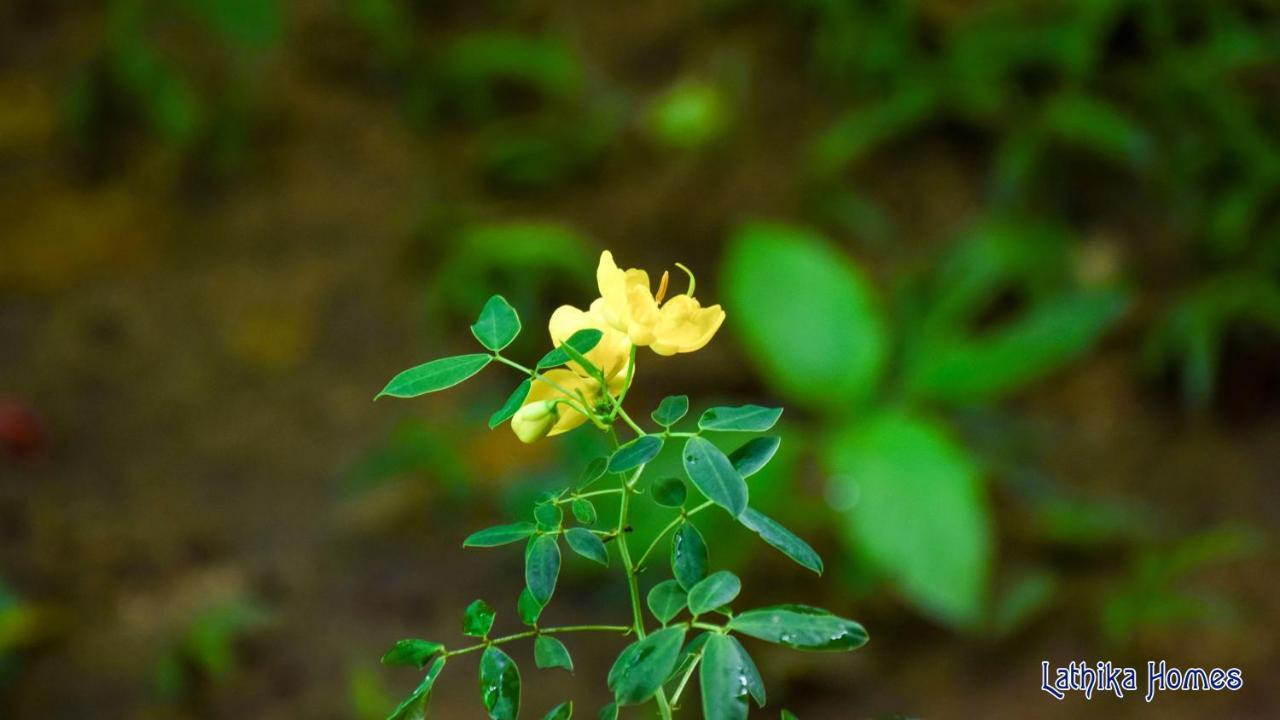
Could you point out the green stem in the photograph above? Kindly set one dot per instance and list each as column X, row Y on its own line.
column 633, row 586
column 670, row 526
column 625, row 552
column 626, row 387
column 675, row 697
column 534, row 374
column 657, row 539
column 617, row 409
column 631, row 374
column 593, row 493
column 622, row 629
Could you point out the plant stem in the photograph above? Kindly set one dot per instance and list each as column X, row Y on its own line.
column 658, row 538
column 625, row 552
column 534, row 374
column 675, row 697
column 623, row 629
column 627, row 419
column 670, row 526
column 633, row 587
column 593, row 493
column 617, row 409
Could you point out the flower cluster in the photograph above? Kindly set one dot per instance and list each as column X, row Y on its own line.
column 630, row 315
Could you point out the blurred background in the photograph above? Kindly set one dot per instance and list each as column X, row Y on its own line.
column 1013, row 268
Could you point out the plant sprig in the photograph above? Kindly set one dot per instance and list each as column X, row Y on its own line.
column 659, row 663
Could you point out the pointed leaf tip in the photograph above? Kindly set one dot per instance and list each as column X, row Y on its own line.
column 435, row 375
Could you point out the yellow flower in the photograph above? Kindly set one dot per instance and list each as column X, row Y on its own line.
column 612, row 355
column 679, row 325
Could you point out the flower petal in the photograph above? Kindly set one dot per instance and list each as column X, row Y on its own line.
column 685, row 326
column 644, row 314
column 610, row 354
column 612, row 282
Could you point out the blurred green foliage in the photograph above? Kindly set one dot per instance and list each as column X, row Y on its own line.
column 1160, row 593
column 529, row 259
column 205, row 649
column 912, row 498
column 1174, row 96
column 1193, row 331
column 19, row 623
column 690, row 115
column 955, row 353
column 184, row 71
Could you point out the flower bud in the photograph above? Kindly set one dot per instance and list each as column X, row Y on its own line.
column 534, row 421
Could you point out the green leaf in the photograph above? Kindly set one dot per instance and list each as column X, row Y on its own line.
column 754, row 455
column 414, row 707
column 788, row 715
column 497, row 325
column 528, row 608
column 609, row 712
column 669, row 492
column 477, row 621
column 724, row 679
column 587, row 544
column 917, row 510
column 500, row 535
column 713, row 475
column 688, row 555
column 755, row 683
column 800, row 627
column 549, row 652
column 806, row 314
column 1040, row 341
column 499, row 684
column 593, row 472
column 583, row 341
column 435, row 375
column 542, row 567
column 581, row 360
column 513, row 403
column 644, row 665
column 671, row 410
column 563, row 711
column 781, row 538
column 412, row 652
column 666, row 600
column 747, row 418
column 635, row 453
column 548, row 515
column 584, row 511
column 714, row 591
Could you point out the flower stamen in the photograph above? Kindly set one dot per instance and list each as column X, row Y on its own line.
column 662, row 287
